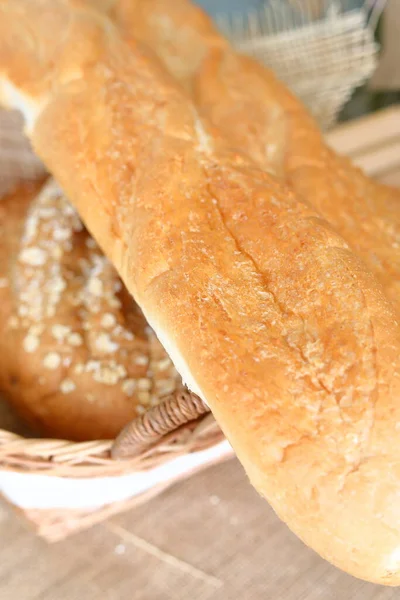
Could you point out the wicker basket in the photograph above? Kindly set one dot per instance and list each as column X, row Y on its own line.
column 61, row 487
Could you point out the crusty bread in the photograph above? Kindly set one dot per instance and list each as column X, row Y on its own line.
column 263, row 308
column 261, row 117
column 78, row 359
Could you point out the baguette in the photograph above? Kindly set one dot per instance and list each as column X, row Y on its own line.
column 261, row 117
column 263, row 308
column 78, row 359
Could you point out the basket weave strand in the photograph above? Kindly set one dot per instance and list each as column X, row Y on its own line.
column 175, row 410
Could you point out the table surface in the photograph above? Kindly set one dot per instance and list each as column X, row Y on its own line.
column 230, row 544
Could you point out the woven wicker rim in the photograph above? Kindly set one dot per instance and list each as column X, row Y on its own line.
column 177, row 426
column 176, row 410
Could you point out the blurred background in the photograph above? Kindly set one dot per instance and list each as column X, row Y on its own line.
column 347, row 48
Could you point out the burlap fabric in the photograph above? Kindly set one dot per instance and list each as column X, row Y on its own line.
column 322, row 49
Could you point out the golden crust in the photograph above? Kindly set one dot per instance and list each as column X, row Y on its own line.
column 262, row 307
column 261, row 117
column 79, row 360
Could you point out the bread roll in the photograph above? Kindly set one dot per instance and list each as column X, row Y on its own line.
column 264, row 309
column 262, row 118
column 78, row 359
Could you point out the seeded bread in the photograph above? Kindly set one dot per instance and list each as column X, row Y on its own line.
column 82, row 359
